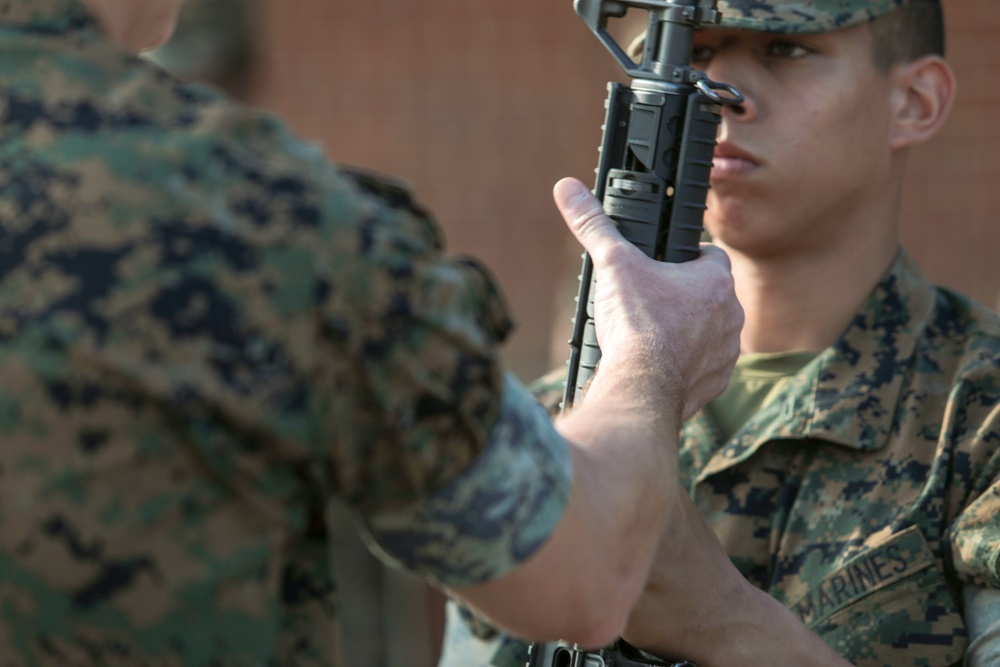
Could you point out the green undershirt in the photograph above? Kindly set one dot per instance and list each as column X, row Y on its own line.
column 756, row 379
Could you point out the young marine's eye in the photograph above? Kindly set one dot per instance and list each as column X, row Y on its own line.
column 701, row 55
column 781, row 48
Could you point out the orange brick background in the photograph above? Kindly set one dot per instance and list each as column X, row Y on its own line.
column 482, row 106
column 951, row 207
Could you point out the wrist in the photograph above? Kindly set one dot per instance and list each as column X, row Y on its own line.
column 752, row 629
column 639, row 385
column 699, row 607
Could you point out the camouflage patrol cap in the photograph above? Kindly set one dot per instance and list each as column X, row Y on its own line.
column 801, row 16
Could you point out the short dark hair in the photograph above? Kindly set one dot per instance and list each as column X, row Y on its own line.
column 914, row 30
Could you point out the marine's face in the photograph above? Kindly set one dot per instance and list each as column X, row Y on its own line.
column 807, row 151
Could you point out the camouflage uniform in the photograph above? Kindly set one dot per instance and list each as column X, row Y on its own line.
column 866, row 493
column 207, row 333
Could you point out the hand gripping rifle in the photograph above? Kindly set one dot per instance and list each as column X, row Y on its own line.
column 656, row 153
column 653, row 179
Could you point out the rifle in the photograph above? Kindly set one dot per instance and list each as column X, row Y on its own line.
column 652, row 178
column 656, row 153
column 619, row 654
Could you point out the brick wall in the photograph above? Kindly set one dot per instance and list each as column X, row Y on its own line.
column 483, row 106
column 951, row 212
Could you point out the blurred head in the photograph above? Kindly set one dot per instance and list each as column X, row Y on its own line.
column 137, row 25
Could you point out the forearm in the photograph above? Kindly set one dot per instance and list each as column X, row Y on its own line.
column 761, row 632
column 581, row 585
column 698, row 606
column 669, row 338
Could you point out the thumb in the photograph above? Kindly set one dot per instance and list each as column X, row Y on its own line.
column 585, row 217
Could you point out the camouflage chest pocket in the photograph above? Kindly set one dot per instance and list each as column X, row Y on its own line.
column 889, row 606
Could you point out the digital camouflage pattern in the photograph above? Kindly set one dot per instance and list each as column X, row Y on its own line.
column 793, row 16
column 802, row 16
column 865, row 495
column 207, row 333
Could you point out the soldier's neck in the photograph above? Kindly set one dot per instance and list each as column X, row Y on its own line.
column 805, row 302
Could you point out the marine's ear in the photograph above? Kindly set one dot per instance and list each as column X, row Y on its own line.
column 923, row 92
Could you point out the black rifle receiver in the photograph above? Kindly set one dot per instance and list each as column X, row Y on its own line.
column 620, row 654
column 656, row 153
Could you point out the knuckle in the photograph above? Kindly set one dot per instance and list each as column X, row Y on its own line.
column 588, row 219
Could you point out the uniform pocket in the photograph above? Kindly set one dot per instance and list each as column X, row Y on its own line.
column 889, row 606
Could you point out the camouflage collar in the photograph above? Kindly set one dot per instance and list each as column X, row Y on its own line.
column 47, row 16
column 848, row 394
column 856, row 383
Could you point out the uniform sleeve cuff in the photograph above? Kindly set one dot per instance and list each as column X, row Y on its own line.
column 497, row 513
